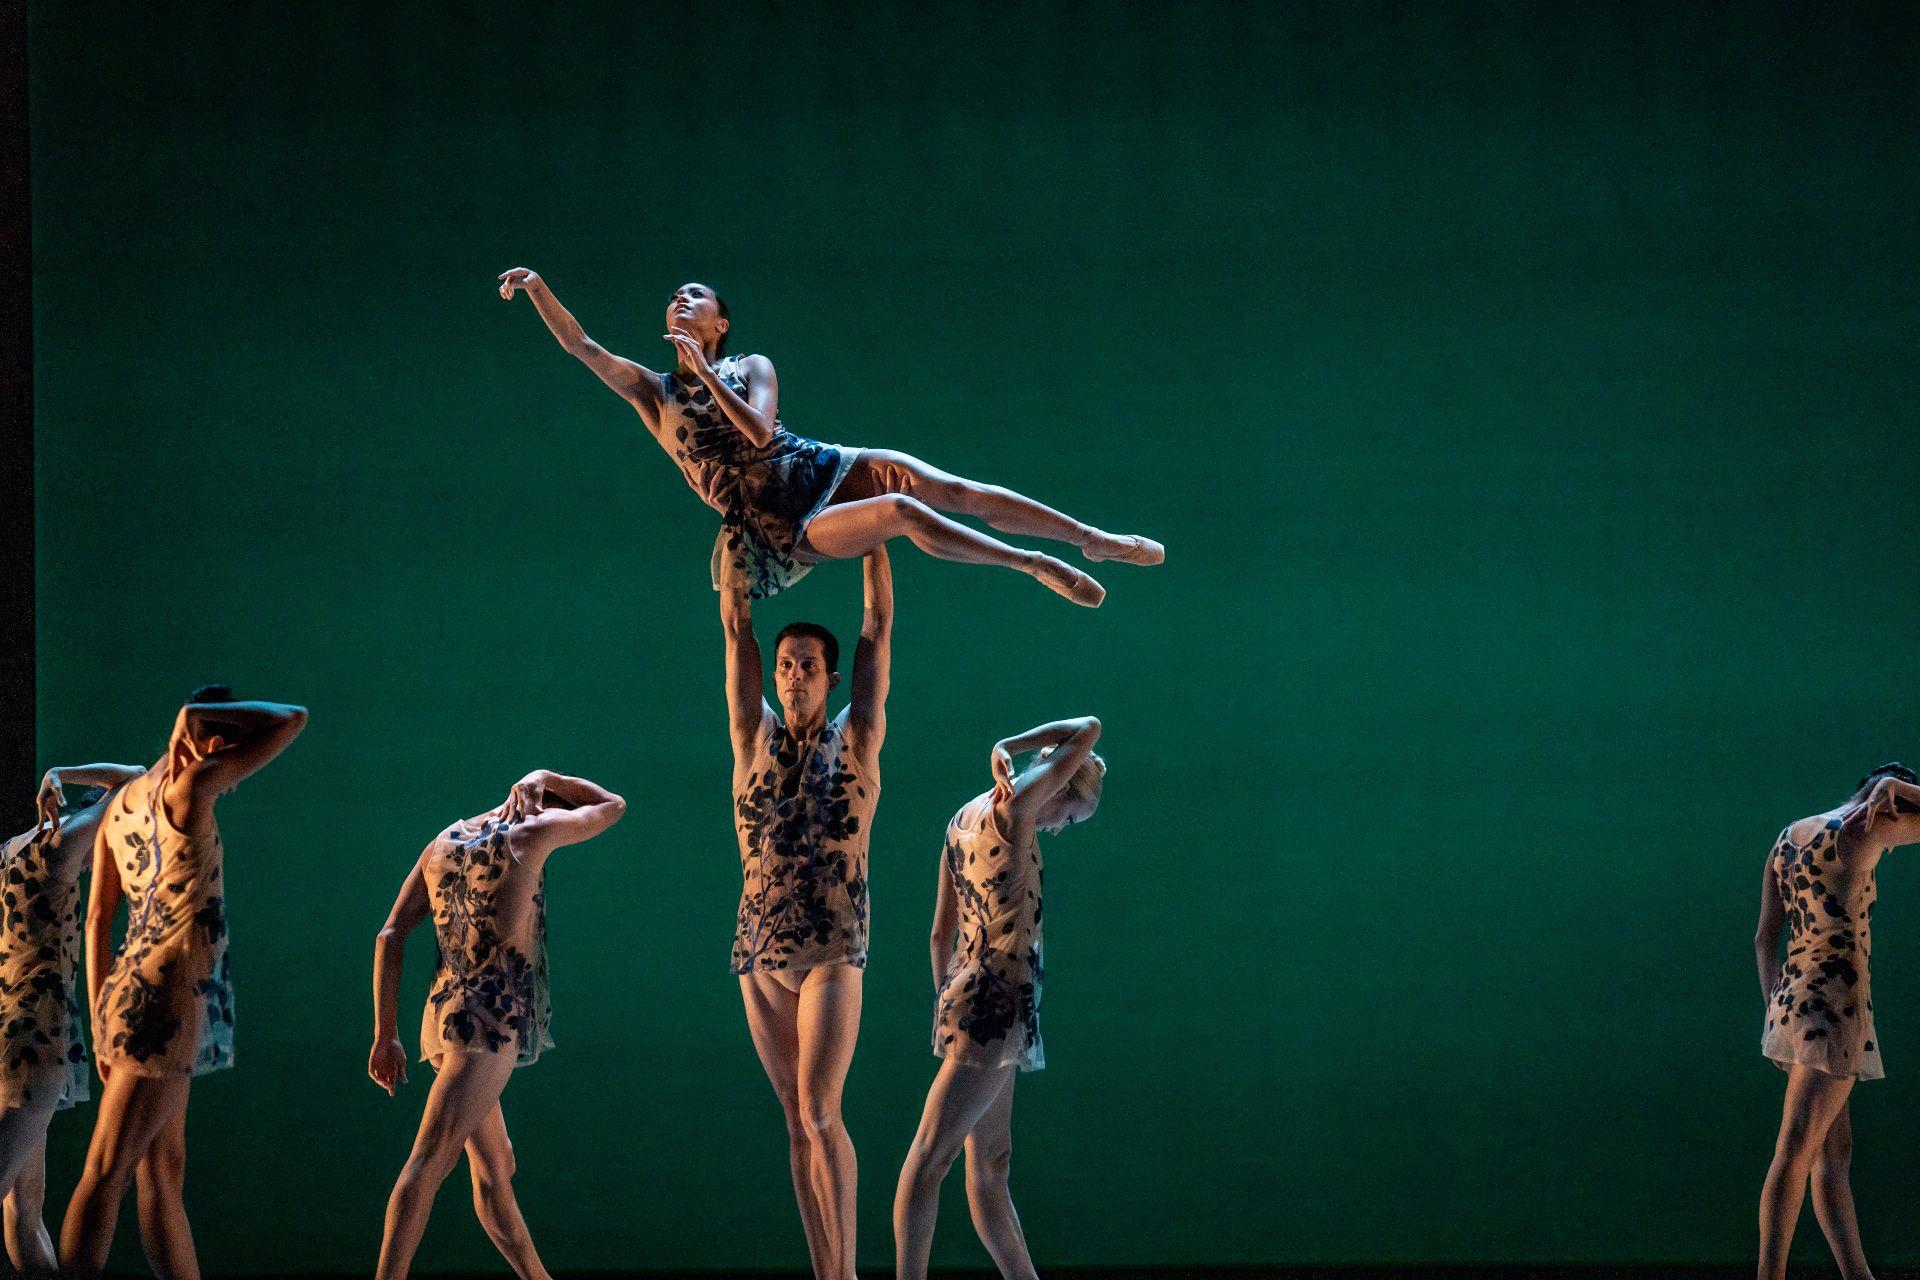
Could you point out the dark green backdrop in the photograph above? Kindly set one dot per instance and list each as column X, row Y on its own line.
column 1526, row 405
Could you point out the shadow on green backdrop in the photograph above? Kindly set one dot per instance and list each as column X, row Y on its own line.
column 1525, row 403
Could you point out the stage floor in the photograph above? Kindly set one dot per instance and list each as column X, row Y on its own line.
column 1637, row 1271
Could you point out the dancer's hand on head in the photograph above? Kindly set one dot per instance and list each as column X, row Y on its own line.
column 387, row 1064
column 48, row 801
column 526, row 797
column 517, row 278
column 689, row 346
column 1002, row 766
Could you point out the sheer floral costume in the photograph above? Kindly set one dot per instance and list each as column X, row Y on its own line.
column 803, row 817
column 1821, row 1012
column 989, row 1009
column 765, row 494
column 43, row 1051
column 166, row 1007
column 490, row 989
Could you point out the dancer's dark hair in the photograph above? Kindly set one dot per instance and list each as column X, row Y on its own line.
column 720, row 347
column 211, row 693
column 818, row 632
column 1891, row 769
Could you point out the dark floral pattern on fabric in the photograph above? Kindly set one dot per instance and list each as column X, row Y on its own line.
column 1820, row 1012
column 166, row 1007
column 989, row 1009
column 488, row 993
column 43, row 1052
column 803, row 819
column 765, row 494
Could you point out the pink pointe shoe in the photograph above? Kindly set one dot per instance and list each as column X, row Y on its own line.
column 1132, row 549
column 1056, row 575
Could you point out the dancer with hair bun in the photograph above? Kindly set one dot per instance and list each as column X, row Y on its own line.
column 787, row 502
column 987, row 967
column 1818, row 884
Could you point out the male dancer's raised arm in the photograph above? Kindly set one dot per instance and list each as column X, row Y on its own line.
column 747, row 709
column 873, row 656
column 638, row 385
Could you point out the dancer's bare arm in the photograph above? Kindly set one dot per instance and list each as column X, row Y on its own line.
column 79, row 775
column 103, row 900
column 873, row 657
column 1892, row 812
column 946, row 919
column 1766, row 935
column 253, row 733
column 594, row 809
column 753, row 415
column 387, row 1063
column 1072, row 741
column 638, row 385
column 747, row 709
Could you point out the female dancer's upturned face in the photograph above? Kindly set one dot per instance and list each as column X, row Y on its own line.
column 800, row 677
column 696, row 308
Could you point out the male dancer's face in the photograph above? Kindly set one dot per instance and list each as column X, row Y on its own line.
column 801, row 680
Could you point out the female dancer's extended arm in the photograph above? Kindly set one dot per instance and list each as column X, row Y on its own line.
column 638, row 385
column 1073, row 741
column 1766, row 936
column 387, row 1064
column 754, row 414
column 873, row 655
column 946, row 919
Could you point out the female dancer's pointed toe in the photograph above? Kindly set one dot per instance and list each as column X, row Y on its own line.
column 1128, row 549
column 1068, row 581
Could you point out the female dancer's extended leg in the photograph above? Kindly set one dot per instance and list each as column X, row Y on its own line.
column 805, row 1036
column 960, row 1098
column 989, row 1161
column 467, row 1087
column 1833, row 1198
column 23, row 1172
column 848, row 530
column 490, row 1161
column 134, row 1111
column 1814, row 1100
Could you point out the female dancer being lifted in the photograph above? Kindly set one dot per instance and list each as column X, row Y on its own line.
column 1819, row 881
column 987, row 1022
column 483, row 880
column 787, row 502
column 43, row 1053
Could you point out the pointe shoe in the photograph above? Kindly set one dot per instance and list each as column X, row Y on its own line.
column 1056, row 575
column 1139, row 550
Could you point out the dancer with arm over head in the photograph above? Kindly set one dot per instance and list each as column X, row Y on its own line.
column 1818, row 885
column 163, row 1004
column 988, row 969
column 43, row 1053
column 805, row 792
column 787, row 502
column 483, row 881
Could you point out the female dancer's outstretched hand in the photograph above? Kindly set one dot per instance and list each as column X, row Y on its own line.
column 387, row 1064
column 515, row 278
column 1002, row 766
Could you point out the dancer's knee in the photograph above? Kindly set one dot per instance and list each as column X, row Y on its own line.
column 988, row 1165
column 929, row 1159
column 820, row 1118
column 906, row 512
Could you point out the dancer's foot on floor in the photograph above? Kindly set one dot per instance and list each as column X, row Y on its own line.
column 1057, row 575
column 1128, row 548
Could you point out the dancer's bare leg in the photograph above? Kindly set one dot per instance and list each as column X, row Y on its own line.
column 160, row 1184
column 467, row 1087
column 29, row 1247
column 773, row 1017
column 877, row 471
column 829, row 1024
column 134, row 1110
column 959, row 1098
column 490, row 1161
column 1833, row 1198
column 848, row 530
column 1814, row 1099
column 989, row 1161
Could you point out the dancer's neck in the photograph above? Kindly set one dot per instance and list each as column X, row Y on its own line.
column 807, row 726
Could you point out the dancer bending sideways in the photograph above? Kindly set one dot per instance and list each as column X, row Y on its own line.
column 43, row 1052
column 163, row 1004
column 483, row 880
column 804, row 794
column 987, row 1020
column 1819, row 882
column 787, row 502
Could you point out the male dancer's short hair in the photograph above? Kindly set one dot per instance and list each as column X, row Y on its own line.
column 1891, row 769
column 796, row 630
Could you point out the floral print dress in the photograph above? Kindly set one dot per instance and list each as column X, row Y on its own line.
column 1821, row 1010
column 490, row 988
column 989, row 1009
column 803, row 817
column 43, row 1050
column 765, row 494
column 166, row 1007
